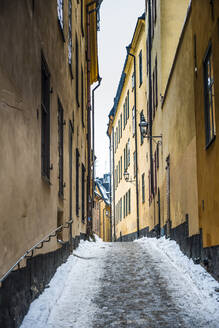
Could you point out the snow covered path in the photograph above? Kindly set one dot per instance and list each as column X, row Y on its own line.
column 148, row 284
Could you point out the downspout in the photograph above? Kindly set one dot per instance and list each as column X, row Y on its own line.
column 89, row 208
column 150, row 96
column 113, row 179
column 136, row 144
column 111, row 175
column 110, row 189
column 93, row 143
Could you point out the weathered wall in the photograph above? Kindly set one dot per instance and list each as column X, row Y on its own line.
column 207, row 159
column 28, row 204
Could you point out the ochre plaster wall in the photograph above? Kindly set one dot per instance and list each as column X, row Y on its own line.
column 29, row 205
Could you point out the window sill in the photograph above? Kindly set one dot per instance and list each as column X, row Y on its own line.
column 210, row 142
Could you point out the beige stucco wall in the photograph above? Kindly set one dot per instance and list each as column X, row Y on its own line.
column 28, row 205
column 207, row 159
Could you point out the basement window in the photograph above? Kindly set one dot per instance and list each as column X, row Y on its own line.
column 209, row 93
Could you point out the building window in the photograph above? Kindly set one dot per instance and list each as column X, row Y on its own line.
column 77, row 182
column 77, row 71
column 133, row 121
column 60, row 6
column 210, row 124
column 70, row 35
column 156, row 84
column 83, row 170
column 140, row 68
column 141, row 136
column 128, row 105
column 129, row 201
column 82, row 96
column 134, row 161
column 133, row 80
column 143, row 187
column 45, row 120
column 82, row 17
column 120, row 208
column 147, row 44
column 60, row 148
column 121, row 125
column 121, row 168
column 124, row 117
column 124, row 207
column 126, row 204
column 128, row 153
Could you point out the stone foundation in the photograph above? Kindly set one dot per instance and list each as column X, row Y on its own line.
column 23, row 286
column 189, row 245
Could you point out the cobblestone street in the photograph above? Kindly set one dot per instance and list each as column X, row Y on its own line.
column 134, row 293
column 115, row 285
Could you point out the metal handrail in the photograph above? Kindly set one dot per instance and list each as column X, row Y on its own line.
column 39, row 245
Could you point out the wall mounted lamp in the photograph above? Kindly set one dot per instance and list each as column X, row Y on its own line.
column 144, row 129
column 127, row 177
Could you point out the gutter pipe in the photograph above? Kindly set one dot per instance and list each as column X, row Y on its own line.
column 136, row 144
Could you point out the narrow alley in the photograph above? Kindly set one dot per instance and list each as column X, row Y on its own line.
column 148, row 284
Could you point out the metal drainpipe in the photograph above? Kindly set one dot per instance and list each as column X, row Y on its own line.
column 136, row 146
column 93, row 139
column 150, row 96
column 113, row 179
column 110, row 190
column 111, row 156
column 89, row 211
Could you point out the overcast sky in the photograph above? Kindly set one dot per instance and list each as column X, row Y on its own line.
column 118, row 20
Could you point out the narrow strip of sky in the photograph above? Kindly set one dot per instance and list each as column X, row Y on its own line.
column 118, row 20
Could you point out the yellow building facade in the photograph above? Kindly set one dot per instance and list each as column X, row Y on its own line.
column 129, row 208
column 48, row 63
column 102, row 212
column 178, row 153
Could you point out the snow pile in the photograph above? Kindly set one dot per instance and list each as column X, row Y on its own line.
column 98, row 239
column 183, row 275
column 68, row 300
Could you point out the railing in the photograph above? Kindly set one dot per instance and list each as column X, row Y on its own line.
column 29, row 253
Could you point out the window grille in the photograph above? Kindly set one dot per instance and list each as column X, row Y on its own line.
column 45, row 120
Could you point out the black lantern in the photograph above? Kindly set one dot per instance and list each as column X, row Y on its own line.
column 126, row 175
column 143, row 126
